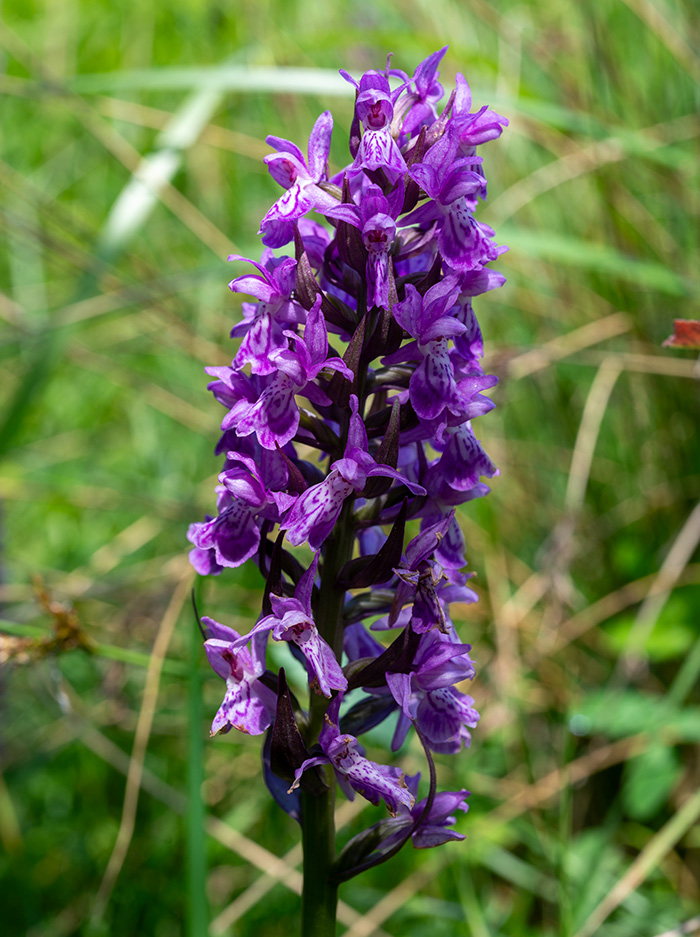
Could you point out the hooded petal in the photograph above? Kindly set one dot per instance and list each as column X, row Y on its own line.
column 320, row 145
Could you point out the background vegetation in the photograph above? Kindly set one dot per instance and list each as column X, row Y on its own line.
column 584, row 770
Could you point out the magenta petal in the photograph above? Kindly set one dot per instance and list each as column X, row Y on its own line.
column 286, row 169
column 314, row 514
column 276, row 233
column 375, row 782
column 428, row 836
column 464, row 461
column 425, row 73
column 450, row 550
column 445, row 327
column 258, row 345
column 252, row 286
column 378, row 150
column 442, row 713
column 295, row 202
column 408, row 313
column 304, row 589
column 285, row 146
column 432, row 386
column 244, row 711
column 388, row 472
column 233, row 535
column 461, row 240
column 204, row 562
column 400, row 686
column 275, row 417
column 463, row 97
column 309, row 763
column 320, row 145
column 316, row 334
column 323, row 663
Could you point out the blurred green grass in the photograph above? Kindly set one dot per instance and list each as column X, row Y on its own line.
column 587, row 632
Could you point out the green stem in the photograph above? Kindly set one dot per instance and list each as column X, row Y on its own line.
column 329, row 615
column 320, row 896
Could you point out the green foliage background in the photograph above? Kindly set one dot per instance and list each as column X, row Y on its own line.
column 584, row 770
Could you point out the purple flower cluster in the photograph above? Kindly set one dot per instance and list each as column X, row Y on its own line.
column 348, row 429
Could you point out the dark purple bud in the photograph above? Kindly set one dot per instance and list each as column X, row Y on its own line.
column 379, row 567
column 388, row 334
column 387, row 454
column 432, row 277
column 291, row 567
column 287, row 749
column 290, row 802
column 351, row 249
column 296, row 482
column 338, row 313
column 398, row 375
column 339, row 389
column 398, row 658
column 306, row 286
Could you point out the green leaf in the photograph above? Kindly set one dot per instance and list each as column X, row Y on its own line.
column 601, row 258
column 673, row 634
column 648, row 780
column 621, row 713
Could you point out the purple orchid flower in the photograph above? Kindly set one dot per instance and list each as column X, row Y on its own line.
column 433, row 387
column 354, row 772
column 427, row 695
column 463, row 461
column 444, row 716
column 300, row 178
column 405, row 229
column 451, row 587
column 375, row 109
column 376, row 218
column 473, row 129
column 203, row 560
column 234, row 535
column 442, row 499
column 264, row 323
column 234, row 390
column 419, row 106
column 439, row 662
column 271, row 463
column 313, row 516
column 274, row 416
column 418, row 580
column 248, row 705
column 453, row 187
column 292, row 620
column 469, row 346
column 433, row 829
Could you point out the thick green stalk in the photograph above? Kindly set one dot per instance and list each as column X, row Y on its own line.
column 320, row 895
column 329, row 614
